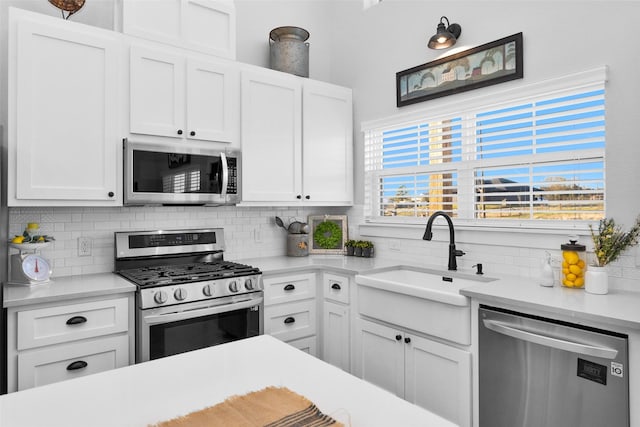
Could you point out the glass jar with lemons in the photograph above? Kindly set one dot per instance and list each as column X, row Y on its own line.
column 573, row 264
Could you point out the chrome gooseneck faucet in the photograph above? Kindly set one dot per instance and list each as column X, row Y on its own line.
column 453, row 252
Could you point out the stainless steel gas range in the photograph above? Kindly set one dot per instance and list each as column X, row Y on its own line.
column 188, row 296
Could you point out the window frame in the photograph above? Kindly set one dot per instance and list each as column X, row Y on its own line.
column 445, row 110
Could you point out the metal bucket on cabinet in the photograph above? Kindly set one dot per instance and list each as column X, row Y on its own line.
column 288, row 50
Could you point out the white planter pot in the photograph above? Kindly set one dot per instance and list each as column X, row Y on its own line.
column 596, row 280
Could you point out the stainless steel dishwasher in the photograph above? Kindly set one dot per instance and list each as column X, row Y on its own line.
column 539, row 372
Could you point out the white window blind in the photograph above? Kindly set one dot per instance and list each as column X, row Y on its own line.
column 533, row 156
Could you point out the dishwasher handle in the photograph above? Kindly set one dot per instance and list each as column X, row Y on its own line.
column 547, row 341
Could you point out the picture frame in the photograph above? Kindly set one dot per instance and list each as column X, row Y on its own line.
column 328, row 234
column 489, row 64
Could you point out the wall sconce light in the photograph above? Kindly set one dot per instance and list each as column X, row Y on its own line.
column 445, row 36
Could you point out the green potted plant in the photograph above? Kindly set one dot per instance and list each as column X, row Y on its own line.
column 358, row 248
column 350, row 246
column 367, row 249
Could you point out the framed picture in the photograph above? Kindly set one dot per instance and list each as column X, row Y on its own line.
column 485, row 65
column 328, row 234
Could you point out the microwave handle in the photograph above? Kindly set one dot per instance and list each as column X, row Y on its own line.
column 225, row 174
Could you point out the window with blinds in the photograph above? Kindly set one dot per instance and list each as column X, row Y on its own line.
column 534, row 158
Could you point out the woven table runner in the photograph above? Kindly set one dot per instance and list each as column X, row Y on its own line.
column 269, row 407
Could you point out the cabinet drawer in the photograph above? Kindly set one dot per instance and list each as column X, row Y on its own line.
column 291, row 321
column 289, row 288
column 50, row 365
column 336, row 288
column 59, row 324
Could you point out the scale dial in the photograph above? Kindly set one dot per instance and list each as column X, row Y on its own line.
column 36, row 268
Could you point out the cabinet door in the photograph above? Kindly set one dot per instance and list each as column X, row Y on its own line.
column 335, row 335
column 213, row 90
column 380, row 356
column 327, row 143
column 207, row 26
column 271, row 137
column 438, row 378
column 210, row 26
column 156, row 93
column 158, row 20
column 63, row 143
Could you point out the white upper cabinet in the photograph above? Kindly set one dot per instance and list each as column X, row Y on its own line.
column 186, row 97
column 63, row 145
column 327, row 135
column 208, row 26
column 271, row 137
column 296, row 140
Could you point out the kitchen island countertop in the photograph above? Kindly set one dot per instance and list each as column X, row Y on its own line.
column 162, row 389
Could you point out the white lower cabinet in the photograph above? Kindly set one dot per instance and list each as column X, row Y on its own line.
column 290, row 312
column 425, row 372
column 336, row 322
column 51, row 342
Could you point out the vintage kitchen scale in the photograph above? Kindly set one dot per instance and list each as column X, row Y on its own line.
column 28, row 267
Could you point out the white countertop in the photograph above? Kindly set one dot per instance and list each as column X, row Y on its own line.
column 66, row 288
column 621, row 308
column 165, row 388
column 618, row 307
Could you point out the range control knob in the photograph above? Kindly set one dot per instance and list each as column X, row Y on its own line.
column 160, row 297
column 208, row 290
column 249, row 285
column 233, row 286
column 180, row 294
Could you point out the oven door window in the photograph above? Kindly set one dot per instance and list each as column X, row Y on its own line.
column 166, row 339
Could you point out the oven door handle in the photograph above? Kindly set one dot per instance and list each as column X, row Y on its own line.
column 207, row 311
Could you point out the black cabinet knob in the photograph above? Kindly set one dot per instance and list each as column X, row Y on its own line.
column 398, row 337
column 179, row 131
column 299, row 196
column 336, row 286
column 289, row 320
column 192, row 133
column 307, row 197
column 289, row 287
column 111, row 194
column 76, row 320
column 407, row 340
column 78, row 364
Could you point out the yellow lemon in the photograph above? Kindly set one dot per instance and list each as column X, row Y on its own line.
column 571, row 257
column 575, row 269
column 41, row 239
column 572, row 277
column 579, row 282
column 17, row 239
column 581, row 264
column 568, row 283
column 565, row 271
column 565, row 264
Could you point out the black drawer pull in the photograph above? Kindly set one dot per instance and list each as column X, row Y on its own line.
column 407, row 340
column 289, row 287
column 76, row 320
column 398, row 337
column 289, row 320
column 336, row 286
column 78, row 364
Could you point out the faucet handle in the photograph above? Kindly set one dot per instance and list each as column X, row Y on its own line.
column 459, row 252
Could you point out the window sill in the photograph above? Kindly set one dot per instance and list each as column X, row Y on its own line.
column 513, row 235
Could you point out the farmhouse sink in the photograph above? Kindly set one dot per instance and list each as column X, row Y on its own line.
column 423, row 300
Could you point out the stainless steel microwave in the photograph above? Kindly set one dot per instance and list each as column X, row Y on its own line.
column 171, row 174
